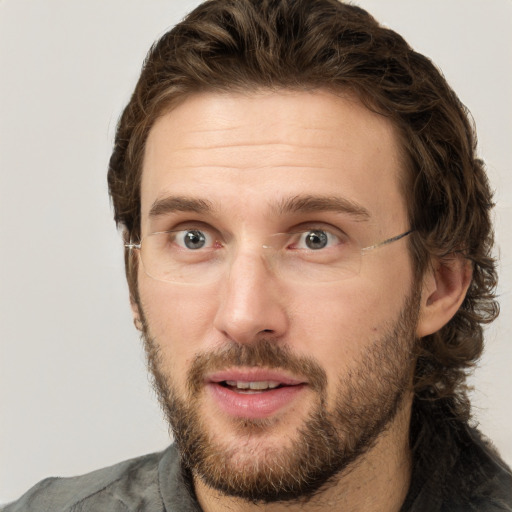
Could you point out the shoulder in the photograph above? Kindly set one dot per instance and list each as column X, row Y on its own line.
column 129, row 485
column 479, row 480
column 482, row 474
column 455, row 468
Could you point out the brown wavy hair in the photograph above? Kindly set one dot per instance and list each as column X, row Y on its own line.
column 245, row 45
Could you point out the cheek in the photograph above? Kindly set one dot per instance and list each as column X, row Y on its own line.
column 179, row 321
column 334, row 322
column 337, row 325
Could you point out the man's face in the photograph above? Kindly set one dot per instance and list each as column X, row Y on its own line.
column 327, row 361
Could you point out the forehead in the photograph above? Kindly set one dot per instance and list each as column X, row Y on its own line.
column 235, row 150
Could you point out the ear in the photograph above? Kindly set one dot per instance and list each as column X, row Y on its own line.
column 137, row 317
column 444, row 288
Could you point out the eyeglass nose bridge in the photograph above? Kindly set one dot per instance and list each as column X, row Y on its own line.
column 255, row 259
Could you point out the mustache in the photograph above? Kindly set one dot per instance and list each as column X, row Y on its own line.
column 265, row 353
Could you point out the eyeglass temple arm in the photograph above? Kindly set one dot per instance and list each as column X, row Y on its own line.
column 388, row 241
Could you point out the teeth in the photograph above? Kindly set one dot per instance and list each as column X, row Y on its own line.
column 258, row 385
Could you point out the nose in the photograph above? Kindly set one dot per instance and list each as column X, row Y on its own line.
column 250, row 303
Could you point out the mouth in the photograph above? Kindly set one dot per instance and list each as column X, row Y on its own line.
column 254, row 394
column 251, row 387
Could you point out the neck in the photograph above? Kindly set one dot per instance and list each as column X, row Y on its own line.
column 377, row 482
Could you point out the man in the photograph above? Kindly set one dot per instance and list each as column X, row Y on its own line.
column 308, row 250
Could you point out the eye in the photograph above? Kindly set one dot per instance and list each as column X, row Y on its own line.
column 316, row 239
column 193, row 239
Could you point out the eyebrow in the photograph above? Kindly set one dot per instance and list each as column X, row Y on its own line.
column 295, row 204
column 309, row 204
column 174, row 204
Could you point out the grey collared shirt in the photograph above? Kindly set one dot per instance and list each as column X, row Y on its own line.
column 152, row 483
column 155, row 483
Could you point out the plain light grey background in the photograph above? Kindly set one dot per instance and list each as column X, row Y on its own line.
column 74, row 394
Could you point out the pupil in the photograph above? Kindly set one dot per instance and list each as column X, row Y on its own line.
column 316, row 240
column 194, row 239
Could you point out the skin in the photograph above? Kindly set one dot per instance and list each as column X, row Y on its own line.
column 244, row 153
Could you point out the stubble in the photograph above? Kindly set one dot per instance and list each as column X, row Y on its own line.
column 330, row 440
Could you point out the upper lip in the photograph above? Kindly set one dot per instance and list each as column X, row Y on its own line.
column 254, row 375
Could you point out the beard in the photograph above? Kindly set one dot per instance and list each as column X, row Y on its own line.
column 329, row 442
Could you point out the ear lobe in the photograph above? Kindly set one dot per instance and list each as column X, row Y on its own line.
column 444, row 288
column 137, row 321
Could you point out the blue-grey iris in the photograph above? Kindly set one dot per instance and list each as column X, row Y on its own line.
column 194, row 239
column 316, row 240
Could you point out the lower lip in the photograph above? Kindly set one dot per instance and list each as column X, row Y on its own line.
column 254, row 405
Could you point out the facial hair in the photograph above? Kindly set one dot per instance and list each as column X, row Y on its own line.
column 331, row 439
